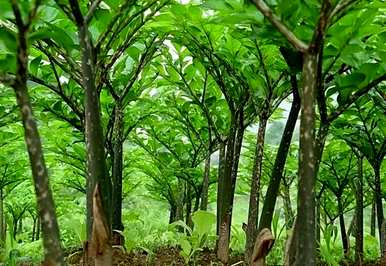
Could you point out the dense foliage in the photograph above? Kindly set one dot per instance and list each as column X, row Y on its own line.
column 193, row 124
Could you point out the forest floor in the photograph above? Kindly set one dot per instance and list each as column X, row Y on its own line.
column 168, row 256
column 164, row 256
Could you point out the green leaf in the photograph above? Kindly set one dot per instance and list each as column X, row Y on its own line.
column 34, row 65
column 55, row 33
column 7, row 39
column 6, row 9
column 351, row 81
column 8, row 63
column 203, row 222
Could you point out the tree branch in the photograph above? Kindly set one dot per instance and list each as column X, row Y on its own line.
column 77, row 13
column 91, row 11
column 355, row 97
column 268, row 13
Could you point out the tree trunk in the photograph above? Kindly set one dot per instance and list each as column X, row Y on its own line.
column 173, row 212
column 359, row 214
column 281, row 156
column 288, row 213
column 352, row 227
column 38, row 229
column 253, row 211
column 378, row 202
column 205, row 185
column 383, row 253
column 188, row 216
column 2, row 233
column 180, row 202
column 53, row 254
column 117, row 173
column 33, row 230
column 229, row 182
column 20, row 228
column 96, row 164
column 197, row 202
column 317, row 226
column 372, row 218
column 343, row 228
column 14, row 228
column 324, row 128
column 220, row 183
column 305, row 233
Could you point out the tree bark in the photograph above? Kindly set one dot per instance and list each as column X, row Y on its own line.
column 117, row 174
column 180, row 202
column 33, row 230
column 172, row 215
column 288, row 213
column 253, row 211
column 378, row 202
column 38, row 229
column 317, row 225
column 359, row 214
column 188, row 216
column 20, row 226
column 305, row 233
column 229, row 181
column 2, row 234
column 53, row 254
column 205, row 185
column 96, row 164
column 342, row 225
column 372, row 218
column 220, row 183
column 281, row 156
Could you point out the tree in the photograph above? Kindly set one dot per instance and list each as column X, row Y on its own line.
column 364, row 131
column 341, row 170
column 329, row 16
column 51, row 240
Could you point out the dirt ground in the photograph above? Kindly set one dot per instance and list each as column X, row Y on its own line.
column 163, row 256
column 166, row 256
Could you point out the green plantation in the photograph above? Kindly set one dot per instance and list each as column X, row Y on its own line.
column 192, row 132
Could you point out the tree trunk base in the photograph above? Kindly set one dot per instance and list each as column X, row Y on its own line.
column 118, row 239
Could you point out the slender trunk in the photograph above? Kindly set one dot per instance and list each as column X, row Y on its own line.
column 322, row 134
column 372, row 218
column 14, row 228
column 378, row 202
column 281, row 156
column 117, row 173
column 197, row 202
column 205, row 185
column 342, row 225
column 96, row 165
column 253, row 211
column 359, row 214
column 220, row 183
column 383, row 252
column 97, row 175
column 229, row 182
column 188, row 217
column 288, row 213
column 33, row 230
column 352, row 227
column 180, row 202
column 53, row 254
column 20, row 229
column 38, row 229
column 305, row 233
column 172, row 215
column 2, row 234
column 317, row 225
